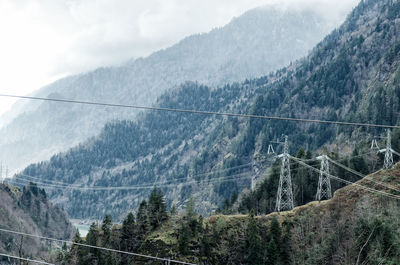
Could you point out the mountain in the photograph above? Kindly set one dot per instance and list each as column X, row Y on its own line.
column 350, row 76
column 154, row 150
column 259, row 41
column 29, row 211
column 356, row 226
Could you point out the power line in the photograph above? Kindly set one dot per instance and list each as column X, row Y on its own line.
column 386, row 185
column 62, row 185
column 342, row 159
column 26, row 259
column 43, row 181
column 96, row 247
column 349, row 182
column 166, row 184
column 202, row 112
column 147, row 186
column 143, row 185
column 22, row 181
column 185, row 178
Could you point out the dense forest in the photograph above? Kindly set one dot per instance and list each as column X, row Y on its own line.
column 352, row 75
column 145, row 152
column 353, row 227
column 192, row 234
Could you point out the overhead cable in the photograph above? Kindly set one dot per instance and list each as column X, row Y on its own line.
column 203, row 112
column 96, row 247
column 349, row 182
column 25, row 259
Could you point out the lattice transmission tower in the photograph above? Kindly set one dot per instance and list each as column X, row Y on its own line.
column 284, row 198
column 324, row 183
column 374, row 145
column 388, row 152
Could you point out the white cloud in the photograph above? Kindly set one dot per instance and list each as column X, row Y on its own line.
column 42, row 40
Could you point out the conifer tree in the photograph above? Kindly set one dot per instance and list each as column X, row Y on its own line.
column 106, row 228
column 358, row 163
column 226, row 206
column 157, row 208
column 205, row 244
column 308, row 154
column 190, row 218
column 234, row 197
column 253, row 242
column 285, row 244
column 128, row 237
column 275, row 230
column 272, row 252
column 142, row 219
column 77, row 252
column 92, row 239
column 106, row 257
column 183, row 239
column 189, row 227
column 190, row 209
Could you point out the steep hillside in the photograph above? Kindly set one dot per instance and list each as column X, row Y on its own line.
column 259, row 41
column 355, row 227
column 350, row 76
column 158, row 149
column 29, row 211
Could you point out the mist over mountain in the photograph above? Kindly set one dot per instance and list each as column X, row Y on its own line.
column 259, row 41
column 352, row 75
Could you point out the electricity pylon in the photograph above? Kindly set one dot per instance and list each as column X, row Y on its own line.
column 256, row 171
column 284, row 198
column 388, row 152
column 374, row 145
column 324, row 182
column 253, row 183
column 270, row 149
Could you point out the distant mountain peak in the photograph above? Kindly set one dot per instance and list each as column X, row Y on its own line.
column 252, row 45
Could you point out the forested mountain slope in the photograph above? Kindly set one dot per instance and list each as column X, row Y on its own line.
column 259, row 41
column 356, row 226
column 352, row 75
column 29, row 211
column 159, row 149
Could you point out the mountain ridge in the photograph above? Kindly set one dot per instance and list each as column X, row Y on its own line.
column 227, row 54
column 328, row 80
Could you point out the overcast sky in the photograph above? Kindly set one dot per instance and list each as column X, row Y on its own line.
column 43, row 40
